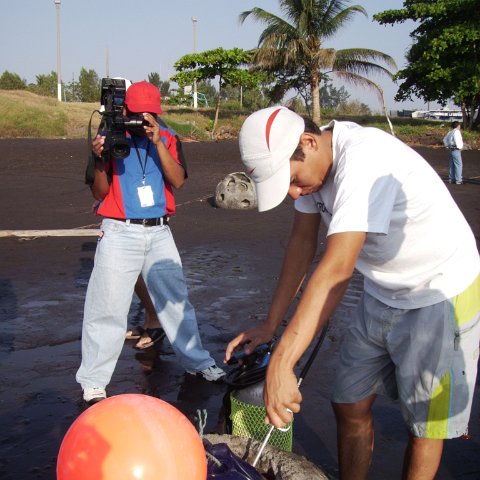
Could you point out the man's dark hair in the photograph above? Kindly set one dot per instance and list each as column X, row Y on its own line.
column 310, row 127
column 455, row 124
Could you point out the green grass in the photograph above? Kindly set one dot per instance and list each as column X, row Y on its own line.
column 26, row 115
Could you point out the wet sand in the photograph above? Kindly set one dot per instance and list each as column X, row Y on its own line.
column 231, row 261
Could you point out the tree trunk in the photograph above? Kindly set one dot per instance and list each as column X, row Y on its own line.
column 217, row 109
column 315, row 93
column 215, row 121
column 382, row 96
column 476, row 112
column 467, row 120
column 476, row 122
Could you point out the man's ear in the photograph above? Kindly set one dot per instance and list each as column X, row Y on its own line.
column 308, row 140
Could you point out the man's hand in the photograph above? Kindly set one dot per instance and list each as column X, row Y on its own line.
column 153, row 130
column 100, row 186
column 249, row 340
column 97, row 145
column 281, row 395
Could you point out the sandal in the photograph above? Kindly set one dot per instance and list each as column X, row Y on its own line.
column 150, row 337
column 134, row 333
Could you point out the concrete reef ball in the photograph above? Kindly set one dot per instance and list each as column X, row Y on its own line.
column 236, row 191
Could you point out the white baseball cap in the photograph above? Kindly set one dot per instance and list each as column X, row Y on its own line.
column 267, row 140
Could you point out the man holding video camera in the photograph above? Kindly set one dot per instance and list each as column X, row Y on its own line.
column 135, row 190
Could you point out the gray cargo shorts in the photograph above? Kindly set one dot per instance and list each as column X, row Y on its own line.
column 426, row 358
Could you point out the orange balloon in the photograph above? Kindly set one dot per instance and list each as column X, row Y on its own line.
column 135, row 437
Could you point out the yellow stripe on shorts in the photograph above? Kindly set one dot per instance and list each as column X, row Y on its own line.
column 467, row 304
column 438, row 413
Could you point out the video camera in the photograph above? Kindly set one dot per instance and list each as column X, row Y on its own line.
column 113, row 124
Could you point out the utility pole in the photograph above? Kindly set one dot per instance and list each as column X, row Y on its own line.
column 194, row 26
column 59, row 80
column 73, row 87
column 107, row 63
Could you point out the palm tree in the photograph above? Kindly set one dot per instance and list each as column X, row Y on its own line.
column 292, row 47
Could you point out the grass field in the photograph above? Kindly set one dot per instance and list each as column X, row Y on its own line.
column 26, row 115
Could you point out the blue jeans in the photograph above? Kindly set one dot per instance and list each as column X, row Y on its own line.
column 123, row 252
column 455, row 173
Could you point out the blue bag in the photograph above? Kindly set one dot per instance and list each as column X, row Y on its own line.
column 232, row 466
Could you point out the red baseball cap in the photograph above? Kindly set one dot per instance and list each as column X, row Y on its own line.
column 143, row 97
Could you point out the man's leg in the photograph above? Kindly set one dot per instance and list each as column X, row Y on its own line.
column 152, row 329
column 364, row 369
column 163, row 275
column 422, row 458
column 451, row 167
column 457, row 165
column 354, row 437
column 107, row 302
column 151, row 319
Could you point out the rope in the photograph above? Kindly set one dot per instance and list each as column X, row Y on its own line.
column 84, row 231
column 202, row 422
column 199, row 199
column 214, row 459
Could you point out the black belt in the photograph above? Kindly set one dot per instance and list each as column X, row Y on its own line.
column 146, row 222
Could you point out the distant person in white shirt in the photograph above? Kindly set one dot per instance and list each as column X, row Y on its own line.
column 454, row 143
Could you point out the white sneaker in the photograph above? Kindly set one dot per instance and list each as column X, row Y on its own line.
column 94, row 394
column 211, row 374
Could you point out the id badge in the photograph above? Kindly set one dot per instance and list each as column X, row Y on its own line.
column 145, row 194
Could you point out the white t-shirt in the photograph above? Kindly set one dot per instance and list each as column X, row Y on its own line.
column 453, row 139
column 419, row 248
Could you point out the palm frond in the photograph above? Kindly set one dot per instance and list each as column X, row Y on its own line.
column 275, row 24
column 358, row 80
column 362, row 68
column 336, row 17
column 365, row 54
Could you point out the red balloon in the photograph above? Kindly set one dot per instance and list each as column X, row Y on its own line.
column 132, row 436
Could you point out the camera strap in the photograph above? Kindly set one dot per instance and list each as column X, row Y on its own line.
column 143, row 166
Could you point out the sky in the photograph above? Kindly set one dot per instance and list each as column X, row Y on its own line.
column 134, row 38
